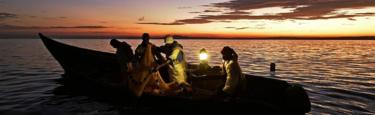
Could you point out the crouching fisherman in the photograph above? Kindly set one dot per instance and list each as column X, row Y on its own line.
column 232, row 71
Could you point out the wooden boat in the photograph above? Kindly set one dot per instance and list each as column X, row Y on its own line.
column 261, row 94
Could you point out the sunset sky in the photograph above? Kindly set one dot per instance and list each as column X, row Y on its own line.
column 207, row 18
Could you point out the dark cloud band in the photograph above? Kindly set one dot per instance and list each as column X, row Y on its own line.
column 302, row 10
column 4, row 15
column 15, row 27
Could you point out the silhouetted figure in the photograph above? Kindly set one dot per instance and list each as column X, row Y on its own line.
column 231, row 69
column 141, row 48
column 124, row 55
column 156, row 54
column 140, row 79
column 146, row 77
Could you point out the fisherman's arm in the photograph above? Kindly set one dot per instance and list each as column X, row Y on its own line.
column 154, row 69
column 137, row 53
column 157, row 51
column 177, row 56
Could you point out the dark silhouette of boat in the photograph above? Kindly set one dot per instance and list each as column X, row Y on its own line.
column 95, row 69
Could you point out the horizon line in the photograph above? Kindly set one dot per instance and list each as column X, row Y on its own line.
column 54, row 36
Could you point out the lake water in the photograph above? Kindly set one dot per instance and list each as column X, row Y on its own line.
column 339, row 76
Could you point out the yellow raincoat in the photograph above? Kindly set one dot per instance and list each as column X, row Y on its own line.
column 178, row 68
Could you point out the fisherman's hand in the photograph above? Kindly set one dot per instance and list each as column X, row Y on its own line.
column 152, row 70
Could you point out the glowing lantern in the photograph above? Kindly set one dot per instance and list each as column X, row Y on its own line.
column 203, row 57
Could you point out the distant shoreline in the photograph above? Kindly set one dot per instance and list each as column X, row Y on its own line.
column 201, row 38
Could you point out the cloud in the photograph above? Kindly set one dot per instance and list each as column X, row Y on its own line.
column 236, row 12
column 15, row 27
column 317, row 9
column 317, row 6
column 367, row 13
column 193, row 21
column 195, row 12
column 300, row 10
column 129, row 28
column 184, row 7
column 4, row 15
column 157, row 23
column 79, row 27
column 242, row 28
column 207, row 11
column 181, row 22
column 237, row 28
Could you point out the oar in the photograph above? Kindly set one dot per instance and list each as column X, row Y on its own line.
column 153, row 70
column 146, row 79
column 159, row 66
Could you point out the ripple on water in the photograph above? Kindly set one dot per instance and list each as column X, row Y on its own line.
column 354, row 93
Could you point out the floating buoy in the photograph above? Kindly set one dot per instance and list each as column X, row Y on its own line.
column 272, row 67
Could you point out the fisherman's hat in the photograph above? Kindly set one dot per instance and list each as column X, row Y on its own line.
column 169, row 40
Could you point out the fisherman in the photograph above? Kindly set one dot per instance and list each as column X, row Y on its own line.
column 145, row 77
column 176, row 62
column 156, row 55
column 232, row 71
column 140, row 50
column 124, row 53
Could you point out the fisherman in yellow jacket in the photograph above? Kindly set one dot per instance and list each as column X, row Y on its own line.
column 177, row 66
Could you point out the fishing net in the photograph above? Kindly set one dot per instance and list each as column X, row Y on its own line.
column 143, row 80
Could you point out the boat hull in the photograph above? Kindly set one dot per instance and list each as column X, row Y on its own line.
column 100, row 70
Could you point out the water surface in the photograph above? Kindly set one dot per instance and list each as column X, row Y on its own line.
column 339, row 76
